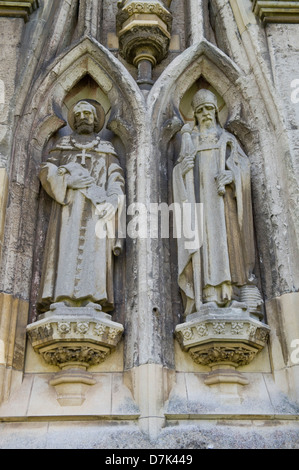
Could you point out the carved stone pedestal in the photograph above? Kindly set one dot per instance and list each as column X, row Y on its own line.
column 74, row 339
column 223, row 339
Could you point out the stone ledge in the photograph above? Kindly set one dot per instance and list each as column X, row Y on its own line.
column 18, row 9
column 231, row 416
column 272, row 11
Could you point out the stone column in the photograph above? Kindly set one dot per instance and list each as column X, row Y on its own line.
column 11, row 33
column 13, row 311
column 279, row 21
column 196, row 20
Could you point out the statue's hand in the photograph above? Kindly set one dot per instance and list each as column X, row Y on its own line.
column 80, row 182
column 188, row 163
column 107, row 209
column 222, row 179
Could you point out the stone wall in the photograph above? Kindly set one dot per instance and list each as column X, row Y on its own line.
column 148, row 392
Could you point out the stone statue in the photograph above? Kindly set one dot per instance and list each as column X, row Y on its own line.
column 213, row 170
column 83, row 177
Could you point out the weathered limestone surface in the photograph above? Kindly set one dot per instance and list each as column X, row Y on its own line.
column 148, row 392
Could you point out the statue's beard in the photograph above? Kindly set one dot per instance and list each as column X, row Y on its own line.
column 84, row 127
column 208, row 124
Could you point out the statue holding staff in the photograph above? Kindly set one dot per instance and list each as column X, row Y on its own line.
column 213, row 170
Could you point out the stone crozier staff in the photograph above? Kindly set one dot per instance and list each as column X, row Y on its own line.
column 83, row 177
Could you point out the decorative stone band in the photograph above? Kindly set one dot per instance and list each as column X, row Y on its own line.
column 69, row 339
column 273, row 11
column 230, row 337
column 18, row 9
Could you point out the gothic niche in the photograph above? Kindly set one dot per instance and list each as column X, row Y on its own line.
column 223, row 326
column 84, row 180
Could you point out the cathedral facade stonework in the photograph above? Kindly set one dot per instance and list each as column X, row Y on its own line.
column 149, row 232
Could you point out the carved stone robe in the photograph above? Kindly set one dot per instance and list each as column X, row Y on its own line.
column 78, row 264
column 227, row 254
